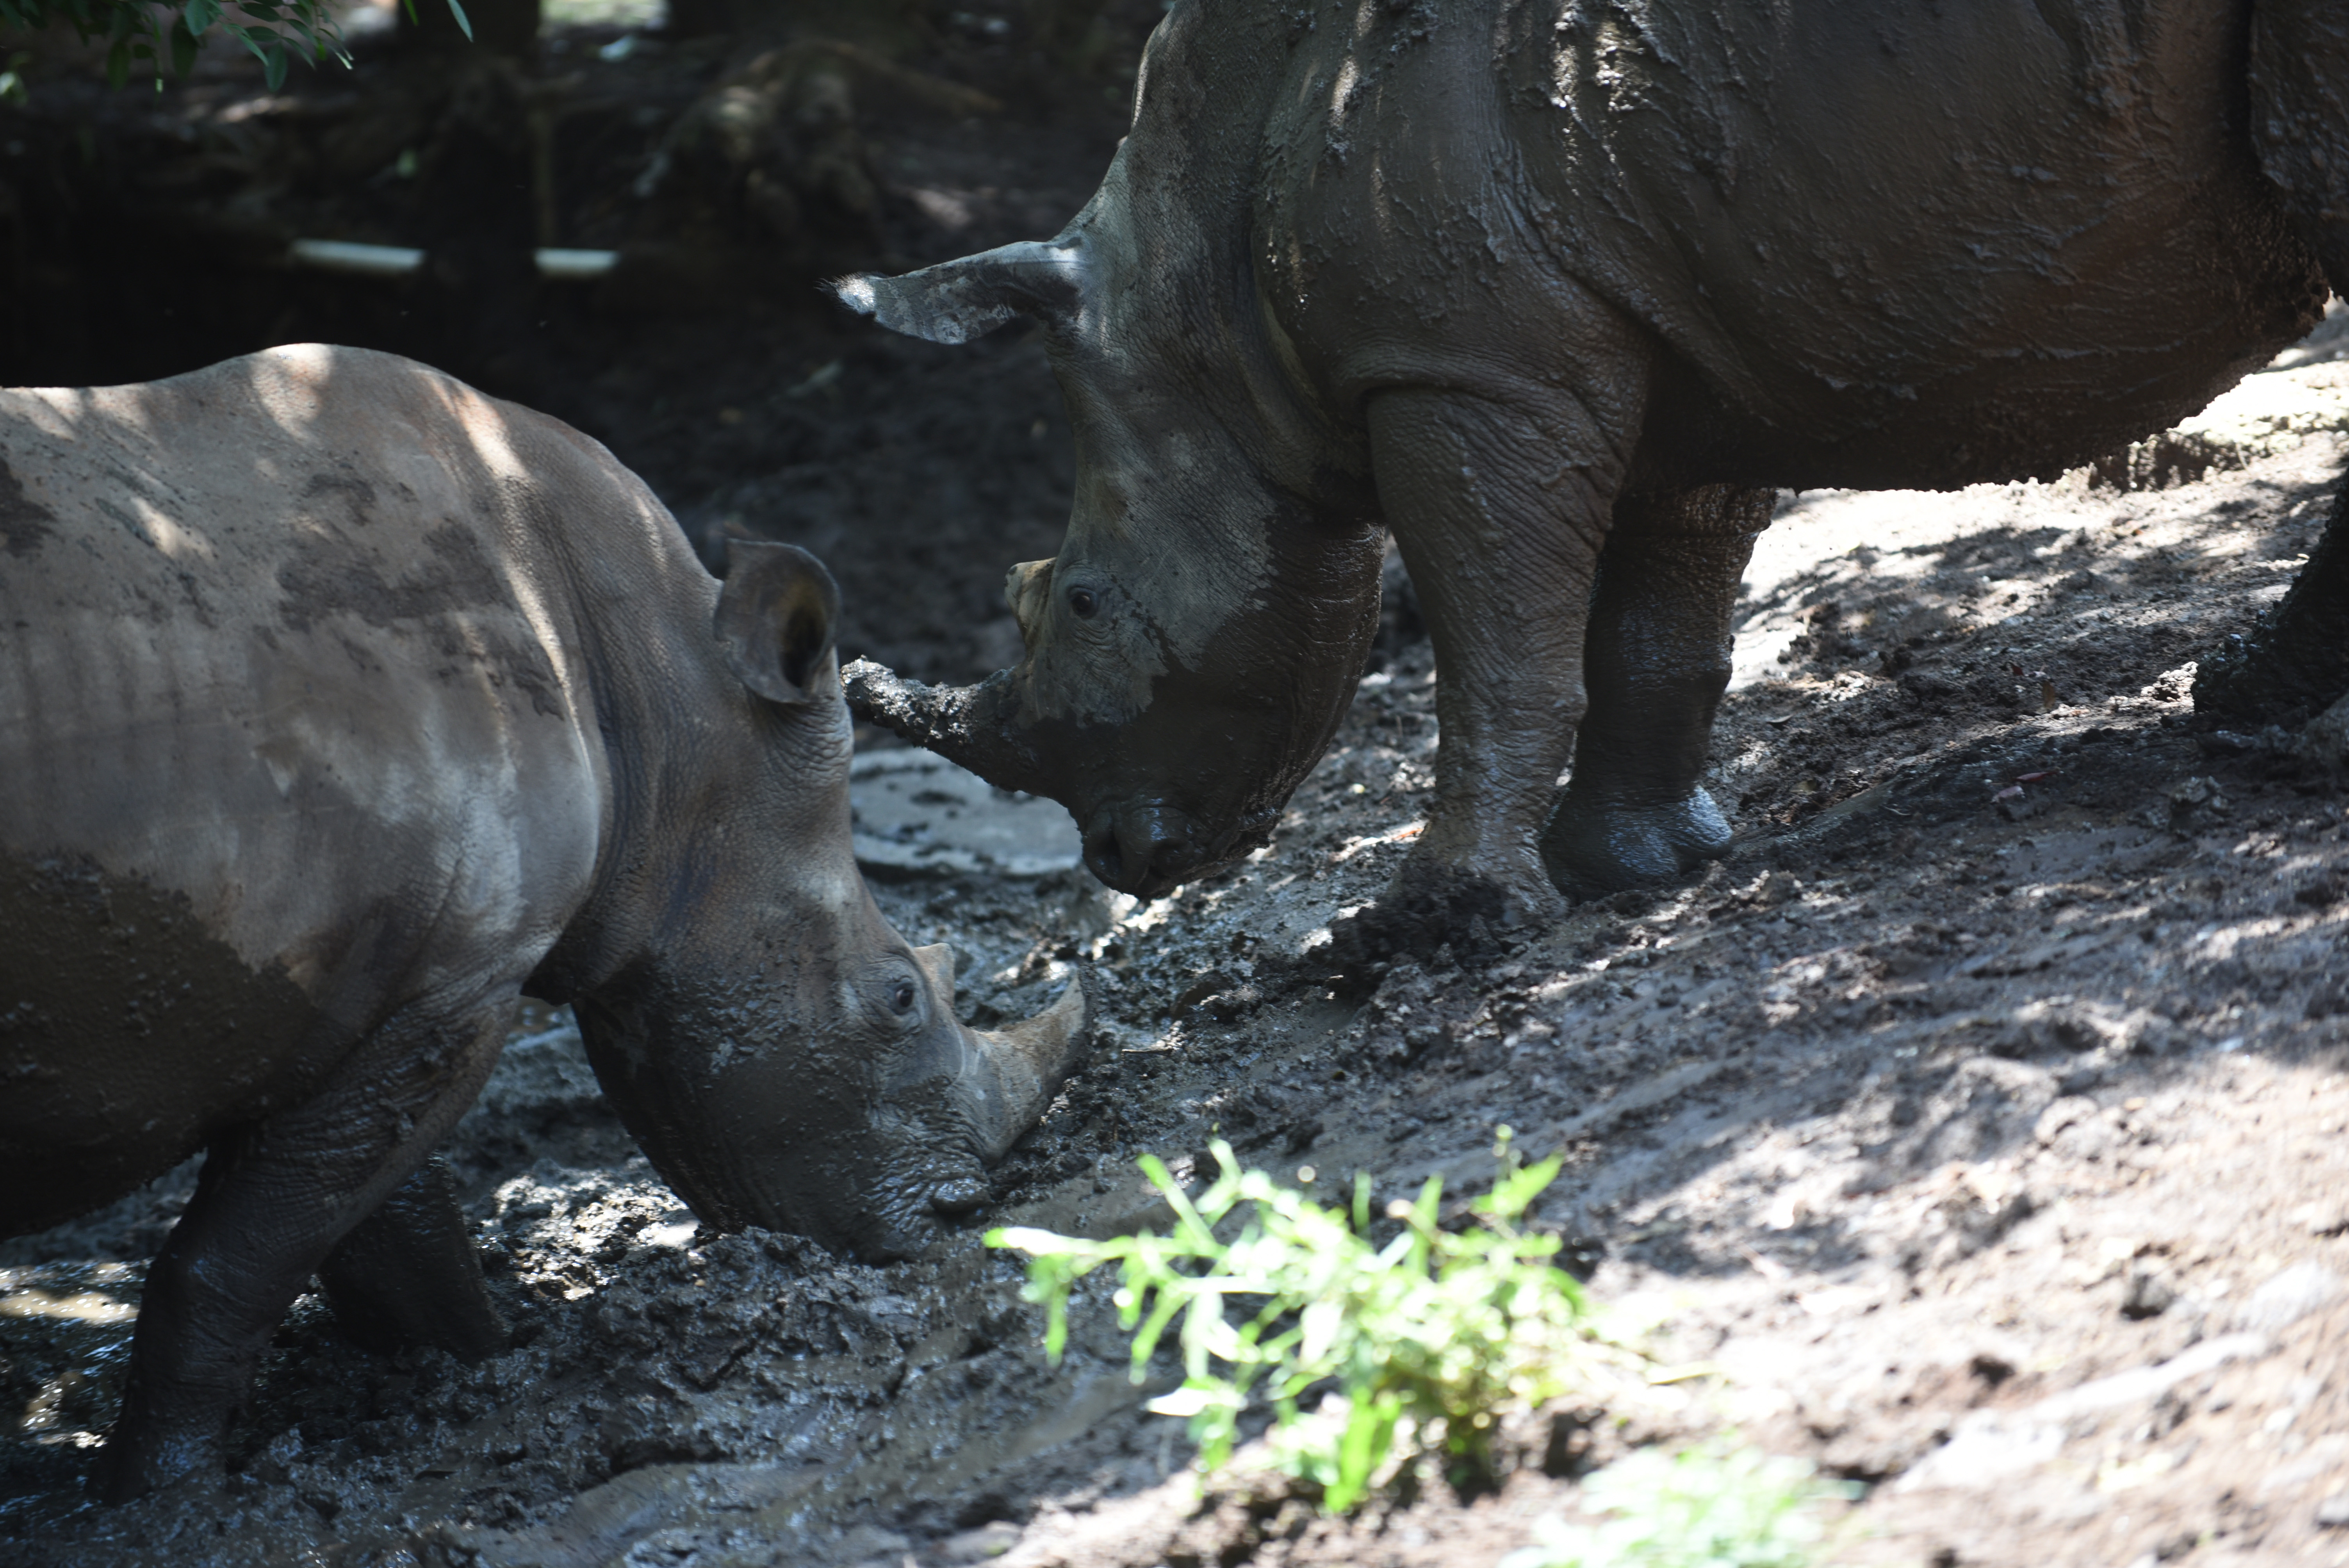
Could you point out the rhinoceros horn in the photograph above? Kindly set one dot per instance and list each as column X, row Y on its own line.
column 972, row 727
column 1025, row 1063
column 956, row 301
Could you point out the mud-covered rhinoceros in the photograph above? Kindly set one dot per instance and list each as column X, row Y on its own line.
column 340, row 706
column 1558, row 291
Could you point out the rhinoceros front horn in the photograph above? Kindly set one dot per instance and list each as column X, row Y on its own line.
column 970, row 727
column 1022, row 1067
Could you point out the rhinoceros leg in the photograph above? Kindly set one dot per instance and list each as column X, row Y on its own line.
column 1501, row 532
column 408, row 1275
column 1656, row 663
column 2295, row 664
column 272, row 1201
column 2300, row 120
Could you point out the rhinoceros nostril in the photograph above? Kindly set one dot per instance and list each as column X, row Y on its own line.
column 959, row 1196
column 1102, row 856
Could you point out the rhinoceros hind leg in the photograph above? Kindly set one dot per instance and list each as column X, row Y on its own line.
column 408, row 1275
column 2295, row 664
column 1655, row 664
column 272, row 1201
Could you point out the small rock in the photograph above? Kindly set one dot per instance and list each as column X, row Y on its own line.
column 2149, row 1294
column 984, row 1544
column 2069, row 1111
column 1213, row 983
column 2325, row 737
column 2321, row 1219
column 2332, row 1514
column 2288, row 1297
column 2196, row 800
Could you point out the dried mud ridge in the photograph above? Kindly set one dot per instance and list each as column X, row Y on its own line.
column 1980, row 1124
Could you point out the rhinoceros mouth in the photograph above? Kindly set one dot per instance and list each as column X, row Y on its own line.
column 1145, row 848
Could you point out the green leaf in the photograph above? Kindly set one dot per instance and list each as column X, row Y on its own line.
column 1443, row 1328
column 184, row 44
column 118, row 63
column 464, row 23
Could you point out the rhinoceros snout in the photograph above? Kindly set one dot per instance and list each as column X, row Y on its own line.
column 1145, row 851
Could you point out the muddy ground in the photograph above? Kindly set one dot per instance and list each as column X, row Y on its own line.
column 1977, row 1130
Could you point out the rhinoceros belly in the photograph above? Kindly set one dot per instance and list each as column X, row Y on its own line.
column 129, row 1036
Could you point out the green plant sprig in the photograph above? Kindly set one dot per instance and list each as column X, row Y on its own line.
column 1431, row 1338
column 1711, row 1505
column 146, row 33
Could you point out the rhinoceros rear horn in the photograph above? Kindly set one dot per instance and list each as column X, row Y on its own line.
column 776, row 619
column 954, row 302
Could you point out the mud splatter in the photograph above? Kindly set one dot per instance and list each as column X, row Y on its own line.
column 24, row 521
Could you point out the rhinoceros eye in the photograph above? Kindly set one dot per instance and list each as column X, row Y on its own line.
column 1083, row 603
column 902, row 996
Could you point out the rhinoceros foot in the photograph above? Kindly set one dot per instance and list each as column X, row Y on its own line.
column 407, row 1275
column 2272, row 677
column 1426, row 910
column 157, row 1441
column 2295, row 663
column 1595, row 847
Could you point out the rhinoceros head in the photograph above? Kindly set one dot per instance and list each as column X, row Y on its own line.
column 1192, row 647
column 782, row 1055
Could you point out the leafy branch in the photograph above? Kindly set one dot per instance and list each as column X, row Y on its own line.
column 147, row 33
column 1427, row 1340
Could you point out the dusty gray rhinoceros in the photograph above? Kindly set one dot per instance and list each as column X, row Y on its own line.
column 1558, row 291
column 339, row 707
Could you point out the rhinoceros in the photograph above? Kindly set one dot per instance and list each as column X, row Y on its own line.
column 341, row 706
column 1559, row 291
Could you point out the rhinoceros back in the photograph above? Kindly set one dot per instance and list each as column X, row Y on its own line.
column 1897, row 244
column 289, row 739
column 1930, row 244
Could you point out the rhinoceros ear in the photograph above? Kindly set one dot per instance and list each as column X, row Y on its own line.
column 776, row 619
column 954, row 302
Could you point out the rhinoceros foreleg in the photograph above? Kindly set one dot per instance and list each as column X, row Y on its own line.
column 272, row 1201
column 408, row 1275
column 1656, row 663
column 1502, row 536
column 2295, row 664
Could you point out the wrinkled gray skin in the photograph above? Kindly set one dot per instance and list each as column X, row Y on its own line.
column 1559, row 291
column 340, row 706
